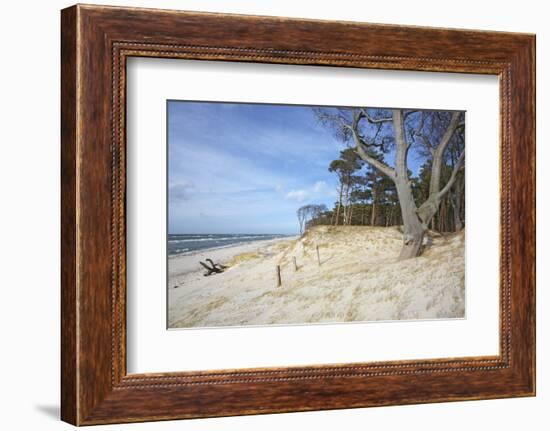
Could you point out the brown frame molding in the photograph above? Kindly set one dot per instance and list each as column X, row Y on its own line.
column 95, row 43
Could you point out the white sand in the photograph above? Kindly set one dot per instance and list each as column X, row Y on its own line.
column 359, row 279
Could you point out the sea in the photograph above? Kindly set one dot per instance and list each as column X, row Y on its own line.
column 188, row 243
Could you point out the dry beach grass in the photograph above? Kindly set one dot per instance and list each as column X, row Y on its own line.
column 359, row 279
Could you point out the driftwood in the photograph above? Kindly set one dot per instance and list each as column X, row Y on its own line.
column 213, row 268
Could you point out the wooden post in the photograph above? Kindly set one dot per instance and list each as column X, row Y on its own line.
column 295, row 264
column 278, row 273
column 318, row 257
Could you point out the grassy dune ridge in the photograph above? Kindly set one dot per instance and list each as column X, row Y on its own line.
column 359, row 279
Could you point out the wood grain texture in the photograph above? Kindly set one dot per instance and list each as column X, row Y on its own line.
column 69, row 397
column 96, row 41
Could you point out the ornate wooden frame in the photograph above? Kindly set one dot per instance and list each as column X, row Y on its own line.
column 96, row 41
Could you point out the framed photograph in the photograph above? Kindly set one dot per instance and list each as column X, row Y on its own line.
column 370, row 227
column 264, row 214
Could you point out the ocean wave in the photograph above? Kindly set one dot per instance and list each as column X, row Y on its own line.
column 234, row 238
column 191, row 247
column 180, row 250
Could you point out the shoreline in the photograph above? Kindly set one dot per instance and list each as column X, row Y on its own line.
column 236, row 244
column 182, row 264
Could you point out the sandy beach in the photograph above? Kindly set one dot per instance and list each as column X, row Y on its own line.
column 359, row 279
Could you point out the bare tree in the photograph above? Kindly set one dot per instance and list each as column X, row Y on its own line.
column 456, row 194
column 374, row 132
column 309, row 212
column 316, row 211
column 301, row 213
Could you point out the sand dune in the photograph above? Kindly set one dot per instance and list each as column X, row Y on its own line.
column 359, row 279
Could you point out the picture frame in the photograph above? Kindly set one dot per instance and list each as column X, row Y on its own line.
column 96, row 42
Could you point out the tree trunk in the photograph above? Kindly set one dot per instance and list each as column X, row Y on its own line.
column 438, row 153
column 455, row 202
column 347, row 202
column 413, row 230
column 339, row 204
column 442, row 212
column 373, row 213
column 431, row 207
column 457, row 221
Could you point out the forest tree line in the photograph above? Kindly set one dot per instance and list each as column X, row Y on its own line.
column 367, row 193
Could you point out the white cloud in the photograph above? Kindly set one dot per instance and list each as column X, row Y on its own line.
column 181, row 191
column 320, row 187
column 318, row 190
column 298, row 195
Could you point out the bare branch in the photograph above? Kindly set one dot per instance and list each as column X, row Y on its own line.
column 453, row 125
column 362, row 144
column 401, row 143
column 381, row 166
column 362, row 149
column 372, row 120
column 413, row 111
column 439, row 151
column 451, row 181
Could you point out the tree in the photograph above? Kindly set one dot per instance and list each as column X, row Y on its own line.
column 309, row 212
column 375, row 133
column 318, row 214
column 348, row 163
column 389, row 201
column 301, row 213
column 360, row 194
column 449, row 216
column 457, row 202
column 456, row 194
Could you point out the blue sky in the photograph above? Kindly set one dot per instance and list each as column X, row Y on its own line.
column 246, row 168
